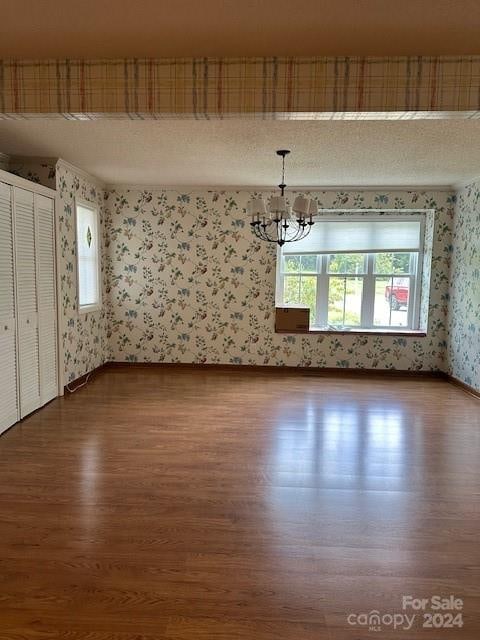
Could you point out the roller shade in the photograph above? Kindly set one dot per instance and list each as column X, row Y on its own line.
column 349, row 235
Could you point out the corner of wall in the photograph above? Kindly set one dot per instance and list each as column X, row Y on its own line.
column 463, row 318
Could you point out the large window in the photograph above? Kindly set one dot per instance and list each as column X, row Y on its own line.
column 356, row 272
column 88, row 257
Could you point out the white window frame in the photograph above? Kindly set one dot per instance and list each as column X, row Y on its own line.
column 368, row 297
column 96, row 306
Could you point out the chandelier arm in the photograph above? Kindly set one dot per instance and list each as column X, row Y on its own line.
column 264, row 235
column 254, row 229
column 309, row 228
column 305, row 230
column 297, row 234
column 258, row 232
column 268, row 238
column 271, row 234
column 300, row 233
column 280, row 235
column 278, row 231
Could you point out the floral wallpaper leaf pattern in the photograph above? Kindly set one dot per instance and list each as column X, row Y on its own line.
column 35, row 170
column 83, row 335
column 464, row 294
column 187, row 282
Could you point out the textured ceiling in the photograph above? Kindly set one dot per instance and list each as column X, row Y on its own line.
column 241, row 152
column 159, row 28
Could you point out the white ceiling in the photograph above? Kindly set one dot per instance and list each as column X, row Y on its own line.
column 241, row 152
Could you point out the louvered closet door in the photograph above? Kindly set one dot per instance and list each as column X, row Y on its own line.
column 8, row 348
column 28, row 356
column 46, row 288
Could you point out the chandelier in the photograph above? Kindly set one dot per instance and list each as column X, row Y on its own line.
column 278, row 222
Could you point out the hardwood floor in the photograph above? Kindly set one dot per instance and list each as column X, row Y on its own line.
column 189, row 505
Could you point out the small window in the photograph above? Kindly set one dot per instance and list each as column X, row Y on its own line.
column 356, row 272
column 88, row 257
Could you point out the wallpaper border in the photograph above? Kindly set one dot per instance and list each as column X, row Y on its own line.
column 269, row 87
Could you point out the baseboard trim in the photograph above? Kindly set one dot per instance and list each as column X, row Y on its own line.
column 304, row 371
column 255, row 368
column 80, row 382
column 463, row 385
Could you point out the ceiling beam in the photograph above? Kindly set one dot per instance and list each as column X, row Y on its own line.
column 269, row 88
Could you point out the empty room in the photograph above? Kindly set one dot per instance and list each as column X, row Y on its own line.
column 240, row 320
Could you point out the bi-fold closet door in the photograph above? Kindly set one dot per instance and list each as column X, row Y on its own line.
column 8, row 330
column 46, row 297
column 28, row 339
column 27, row 301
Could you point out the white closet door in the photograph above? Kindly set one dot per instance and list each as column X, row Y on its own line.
column 26, row 281
column 8, row 348
column 46, row 289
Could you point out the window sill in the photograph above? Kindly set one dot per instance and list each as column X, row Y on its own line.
column 91, row 308
column 362, row 332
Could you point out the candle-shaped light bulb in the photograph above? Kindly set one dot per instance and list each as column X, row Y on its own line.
column 250, row 211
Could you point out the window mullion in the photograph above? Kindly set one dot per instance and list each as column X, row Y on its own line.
column 368, row 297
column 415, row 282
column 412, row 289
column 322, row 292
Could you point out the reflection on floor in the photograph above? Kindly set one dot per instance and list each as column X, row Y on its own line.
column 192, row 504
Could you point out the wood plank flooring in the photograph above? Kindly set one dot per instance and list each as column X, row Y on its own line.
column 195, row 504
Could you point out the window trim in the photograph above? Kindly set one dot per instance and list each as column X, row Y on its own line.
column 96, row 306
column 322, row 275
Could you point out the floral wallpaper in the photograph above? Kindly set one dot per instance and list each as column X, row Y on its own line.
column 464, row 311
column 41, row 171
column 83, row 336
column 187, row 282
column 4, row 162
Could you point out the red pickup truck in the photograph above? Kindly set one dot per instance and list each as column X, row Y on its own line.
column 397, row 295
